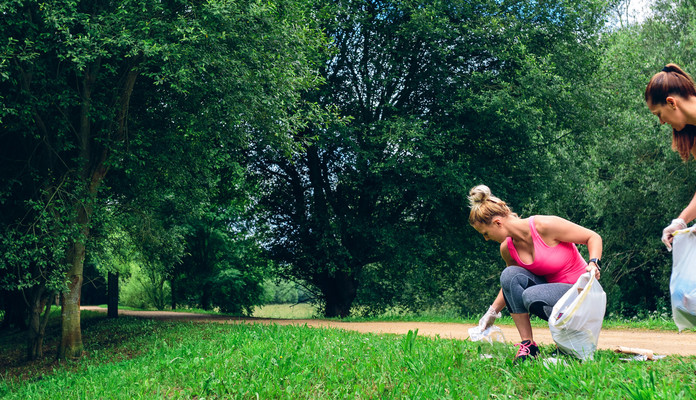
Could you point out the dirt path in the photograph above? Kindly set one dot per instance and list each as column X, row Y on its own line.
column 661, row 342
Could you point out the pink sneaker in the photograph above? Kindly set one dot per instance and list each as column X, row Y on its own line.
column 527, row 349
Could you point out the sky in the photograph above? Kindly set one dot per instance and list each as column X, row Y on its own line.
column 638, row 9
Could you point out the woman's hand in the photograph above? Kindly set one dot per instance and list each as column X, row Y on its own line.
column 668, row 232
column 488, row 318
column 593, row 269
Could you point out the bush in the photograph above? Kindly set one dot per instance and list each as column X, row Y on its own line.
column 145, row 289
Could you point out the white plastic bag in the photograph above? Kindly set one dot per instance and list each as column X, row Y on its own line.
column 682, row 284
column 577, row 318
column 490, row 334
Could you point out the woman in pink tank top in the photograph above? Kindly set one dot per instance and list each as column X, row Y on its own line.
column 542, row 261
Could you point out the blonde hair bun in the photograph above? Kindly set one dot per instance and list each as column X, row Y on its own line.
column 484, row 206
column 479, row 194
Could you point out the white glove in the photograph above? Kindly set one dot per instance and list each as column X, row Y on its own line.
column 488, row 318
column 593, row 271
column 667, row 237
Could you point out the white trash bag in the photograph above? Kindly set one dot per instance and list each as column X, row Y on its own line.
column 682, row 284
column 577, row 318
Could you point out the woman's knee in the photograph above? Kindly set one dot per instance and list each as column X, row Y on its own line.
column 528, row 298
column 536, row 302
column 510, row 273
column 513, row 281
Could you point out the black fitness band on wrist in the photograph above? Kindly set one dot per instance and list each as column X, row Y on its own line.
column 596, row 261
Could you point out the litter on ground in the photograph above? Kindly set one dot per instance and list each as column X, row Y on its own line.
column 553, row 361
column 490, row 334
column 638, row 354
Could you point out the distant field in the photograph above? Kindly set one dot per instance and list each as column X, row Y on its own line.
column 289, row 311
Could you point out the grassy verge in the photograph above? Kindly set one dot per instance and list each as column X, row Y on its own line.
column 652, row 321
column 132, row 358
column 290, row 311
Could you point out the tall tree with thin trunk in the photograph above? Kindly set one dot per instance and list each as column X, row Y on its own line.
column 67, row 78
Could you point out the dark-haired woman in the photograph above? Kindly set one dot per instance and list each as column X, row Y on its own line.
column 671, row 96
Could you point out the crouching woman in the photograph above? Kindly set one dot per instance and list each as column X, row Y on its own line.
column 541, row 257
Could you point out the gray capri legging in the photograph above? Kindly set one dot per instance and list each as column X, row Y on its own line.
column 525, row 292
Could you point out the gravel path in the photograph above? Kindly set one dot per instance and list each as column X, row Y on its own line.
column 661, row 342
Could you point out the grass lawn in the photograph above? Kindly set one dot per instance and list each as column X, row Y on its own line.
column 654, row 321
column 291, row 311
column 131, row 358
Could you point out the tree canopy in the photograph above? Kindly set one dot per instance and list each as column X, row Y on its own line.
column 438, row 96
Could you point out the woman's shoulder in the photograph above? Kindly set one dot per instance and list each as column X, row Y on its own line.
column 543, row 222
column 505, row 252
column 504, row 246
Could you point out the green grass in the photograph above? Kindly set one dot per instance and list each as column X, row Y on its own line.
column 652, row 321
column 655, row 320
column 181, row 310
column 288, row 311
column 131, row 358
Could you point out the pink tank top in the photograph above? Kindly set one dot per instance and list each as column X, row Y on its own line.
column 559, row 264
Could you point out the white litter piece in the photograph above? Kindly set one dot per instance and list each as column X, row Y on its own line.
column 640, row 357
column 638, row 354
column 554, row 361
column 490, row 334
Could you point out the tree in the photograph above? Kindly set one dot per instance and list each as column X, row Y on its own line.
column 224, row 266
column 68, row 76
column 437, row 96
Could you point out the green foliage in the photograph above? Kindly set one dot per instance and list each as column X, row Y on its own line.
column 224, row 265
column 33, row 254
column 145, row 289
column 236, row 292
column 437, row 97
column 284, row 292
column 624, row 181
column 150, row 90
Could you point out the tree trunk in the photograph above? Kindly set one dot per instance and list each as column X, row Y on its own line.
column 161, row 301
column 40, row 302
column 172, row 284
column 339, row 290
column 112, row 293
column 71, row 340
column 205, row 296
column 93, row 156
